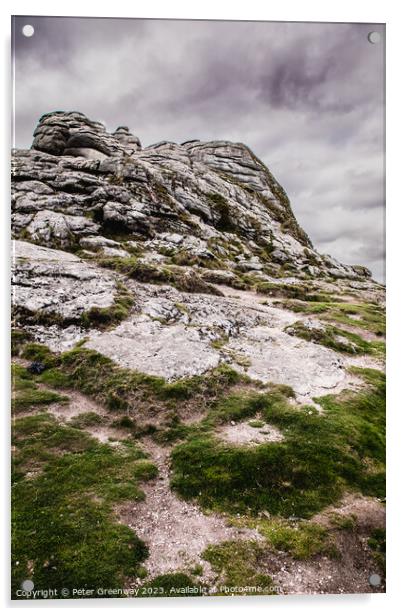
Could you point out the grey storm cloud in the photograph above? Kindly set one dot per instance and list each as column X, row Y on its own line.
column 308, row 98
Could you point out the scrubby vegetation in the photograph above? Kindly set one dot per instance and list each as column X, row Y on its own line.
column 72, row 482
column 185, row 257
column 300, row 539
column 19, row 338
column 239, row 565
column 335, row 338
column 64, row 487
column 120, row 389
column 85, row 420
column 296, row 291
column 343, row 522
column 365, row 316
column 377, row 543
column 25, row 392
column 183, row 280
column 320, row 456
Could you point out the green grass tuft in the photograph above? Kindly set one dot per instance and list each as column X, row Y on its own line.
column 122, row 389
column 117, row 312
column 65, row 484
column 343, row 522
column 239, row 564
column 377, row 543
column 369, row 317
column 183, row 280
column 19, row 338
column 26, row 393
column 39, row 352
column 335, row 338
column 169, row 585
column 302, row 540
column 319, row 458
column 86, row 420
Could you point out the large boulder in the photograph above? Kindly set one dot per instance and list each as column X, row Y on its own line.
column 73, row 134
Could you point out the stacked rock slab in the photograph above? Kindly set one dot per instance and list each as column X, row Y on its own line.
column 73, row 134
column 153, row 256
column 79, row 181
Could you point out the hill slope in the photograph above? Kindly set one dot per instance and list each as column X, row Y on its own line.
column 178, row 311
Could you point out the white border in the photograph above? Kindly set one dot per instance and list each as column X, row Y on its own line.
column 290, row 10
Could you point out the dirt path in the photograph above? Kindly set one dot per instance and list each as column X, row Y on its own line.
column 175, row 531
column 260, row 303
column 351, row 571
column 243, row 433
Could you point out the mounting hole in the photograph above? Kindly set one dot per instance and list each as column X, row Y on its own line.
column 374, row 579
column 27, row 585
column 28, row 30
column 374, row 37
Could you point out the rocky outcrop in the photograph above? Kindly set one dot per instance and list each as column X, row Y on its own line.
column 216, row 199
column 130, row 142
column 73, row 134
column 200, row 234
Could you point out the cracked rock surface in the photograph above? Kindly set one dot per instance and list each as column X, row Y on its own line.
column 57, row 282
column 93, row 209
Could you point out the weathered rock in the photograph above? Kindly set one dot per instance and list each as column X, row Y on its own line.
column 62, row 133
column 57, row 283
column 148, row 346
column 173, row 336
column 279, row 256
column 190, row 215
column 54, row 227
column 276, row 357
column 128, row 140
column 217, row 196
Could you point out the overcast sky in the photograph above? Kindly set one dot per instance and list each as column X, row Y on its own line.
column 307, row 98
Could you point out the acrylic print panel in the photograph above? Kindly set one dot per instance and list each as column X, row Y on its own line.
column 198, row 308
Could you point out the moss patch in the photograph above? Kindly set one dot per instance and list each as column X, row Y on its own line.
column 170, row 585
column 335, row 338
column 300, row 539
column 239, row 565
column 366, row 316
column 64, row 487
column 320, row 456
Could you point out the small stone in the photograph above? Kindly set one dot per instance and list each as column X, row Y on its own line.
column 36, row 367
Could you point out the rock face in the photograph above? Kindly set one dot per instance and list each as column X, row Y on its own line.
column 210, row 212
column 214, row 200
column 57, row 283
